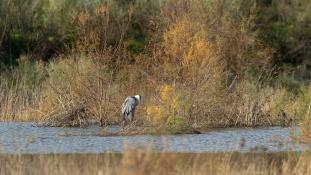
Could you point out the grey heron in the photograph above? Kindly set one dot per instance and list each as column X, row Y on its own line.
column 129, row 106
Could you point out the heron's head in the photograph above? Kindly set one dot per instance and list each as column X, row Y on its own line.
column 137, row 97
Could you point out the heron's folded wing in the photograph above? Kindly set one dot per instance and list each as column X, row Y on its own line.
column 128, row 105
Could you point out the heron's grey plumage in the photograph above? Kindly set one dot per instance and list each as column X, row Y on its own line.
column 129, row 107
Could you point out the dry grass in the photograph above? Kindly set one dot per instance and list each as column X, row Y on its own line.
column 139, row 163
column 20, row 91
column 306, row 122
column 81, row 81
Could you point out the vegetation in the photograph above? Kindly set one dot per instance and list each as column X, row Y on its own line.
column 196, row 63
column 137, row 162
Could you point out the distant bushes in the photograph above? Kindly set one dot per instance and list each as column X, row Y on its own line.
column 48, row 28
column 285, row 26
column 34, row 27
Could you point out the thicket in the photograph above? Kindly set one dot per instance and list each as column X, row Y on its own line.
column 196, row 63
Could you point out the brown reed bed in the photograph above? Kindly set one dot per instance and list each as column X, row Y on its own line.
column 140, row 163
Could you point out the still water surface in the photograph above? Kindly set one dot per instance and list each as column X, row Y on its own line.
column 27, row 138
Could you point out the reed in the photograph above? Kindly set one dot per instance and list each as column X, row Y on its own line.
column 141, row 162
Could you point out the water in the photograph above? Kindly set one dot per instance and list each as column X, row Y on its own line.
column 27, row 138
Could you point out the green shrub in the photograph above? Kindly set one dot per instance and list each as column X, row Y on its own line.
column 283, row 25
column 302, row 102
column 289, row 82
column 177, row 125
column 135, row 46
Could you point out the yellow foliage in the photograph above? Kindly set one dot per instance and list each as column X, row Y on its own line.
column 102, row 10
column 155, row 113
column 189, row 54
column 185, row 39
column 166, row 93
column 173, row 103
column 199, row 49
column 171, row 98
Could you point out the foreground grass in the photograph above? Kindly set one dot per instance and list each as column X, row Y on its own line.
column 138, row 163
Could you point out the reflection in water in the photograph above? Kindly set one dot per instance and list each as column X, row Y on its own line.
column 26, row 138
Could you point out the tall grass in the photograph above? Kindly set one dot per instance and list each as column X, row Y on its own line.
column 20, row 91
column 137, row 162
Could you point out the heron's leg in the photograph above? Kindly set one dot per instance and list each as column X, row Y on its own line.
column 101, row 122
column 123, row 123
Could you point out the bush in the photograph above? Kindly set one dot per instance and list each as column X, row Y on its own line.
column 302, row 102
column 32, row 27
column 177, row 125
column 283, row 25
column 81, row 81
column 172, row 102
